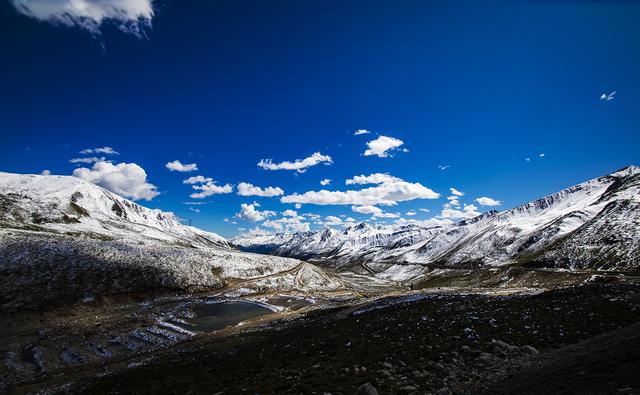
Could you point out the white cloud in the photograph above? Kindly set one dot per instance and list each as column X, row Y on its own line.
column 376, row 212
column 332, row 220
column 246, row 189
column 527, row 159
column 383, row 146
column 386, row 193
column 469, row 211
column 298, row 206
column 289, row 224
column 541, row 155
column 456, row 192
column 125, row 179
column 325, row 182
column 45, row 173
column 197, row 180
column 176, row 165
column 487, row 201
column 299, row 165
column 424, row 210
column 411, row 213
column 366, row 209
column 453, row 201
column 195, row 210
column 290, row 213
column 360, row 131
column 248, row 212
column 376, row 178
column 92, row 159
column 210, row 188
column 101, row 150
column 130, row 16
column 443, row 167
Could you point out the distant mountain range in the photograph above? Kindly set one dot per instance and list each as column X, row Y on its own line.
column 592, row 225
column 63, row 239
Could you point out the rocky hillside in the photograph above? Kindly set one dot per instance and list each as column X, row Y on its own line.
column 63, row 239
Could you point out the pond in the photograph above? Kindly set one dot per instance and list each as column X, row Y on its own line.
column 209, row 317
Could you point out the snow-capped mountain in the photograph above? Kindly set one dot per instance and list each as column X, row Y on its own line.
column 62, row 239
column 69, row 204
column 593, row 225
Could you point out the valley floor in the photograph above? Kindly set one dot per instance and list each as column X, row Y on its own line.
column 582, row 339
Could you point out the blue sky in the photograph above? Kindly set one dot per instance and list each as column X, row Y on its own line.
column 478, row 86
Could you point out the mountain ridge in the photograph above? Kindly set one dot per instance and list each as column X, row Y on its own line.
column 525, row 234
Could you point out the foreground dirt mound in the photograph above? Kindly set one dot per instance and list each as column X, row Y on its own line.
column 421, row 344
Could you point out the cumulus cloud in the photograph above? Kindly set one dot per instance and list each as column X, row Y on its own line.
column 101, row 150
column 387, row 192
column 411, row 213
column 299, row 165
column 45, row 173
column 332, row 220
column 210, row 188
column 366, row 209
column 87, row 160
column 125, row 179
column 290, row 213
column 469, row 211
column 246, row 189
column 376, row 178
column 289, row 224
column 360, row 131
column 325, row 182
column 197, row 180
column 130, row 16
column 424, row 210
column 176, row 165
column 248, row 212
column 456, row 192
column 376, row 212
column 487, row 201
column 383, row 146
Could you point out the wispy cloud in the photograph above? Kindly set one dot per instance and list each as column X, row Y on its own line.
column 360, row 132
column 100, row 150
column 325, row 182
column 299, row 165
column 87, row 160
column 443, row 167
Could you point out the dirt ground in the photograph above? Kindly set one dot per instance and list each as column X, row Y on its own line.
column 577, row 340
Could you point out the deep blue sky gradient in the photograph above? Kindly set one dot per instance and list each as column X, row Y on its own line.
column 478, row 85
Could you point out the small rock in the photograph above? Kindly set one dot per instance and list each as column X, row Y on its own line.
column 407, row 389
column 387, row 365
column 366, row 389
column 530, row 350
column 443, row 391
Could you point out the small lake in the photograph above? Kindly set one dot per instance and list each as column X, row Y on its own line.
column 211, row 317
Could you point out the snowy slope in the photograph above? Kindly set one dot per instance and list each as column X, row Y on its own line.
column 592, row 225
column 62, row 239
column 69, row 204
